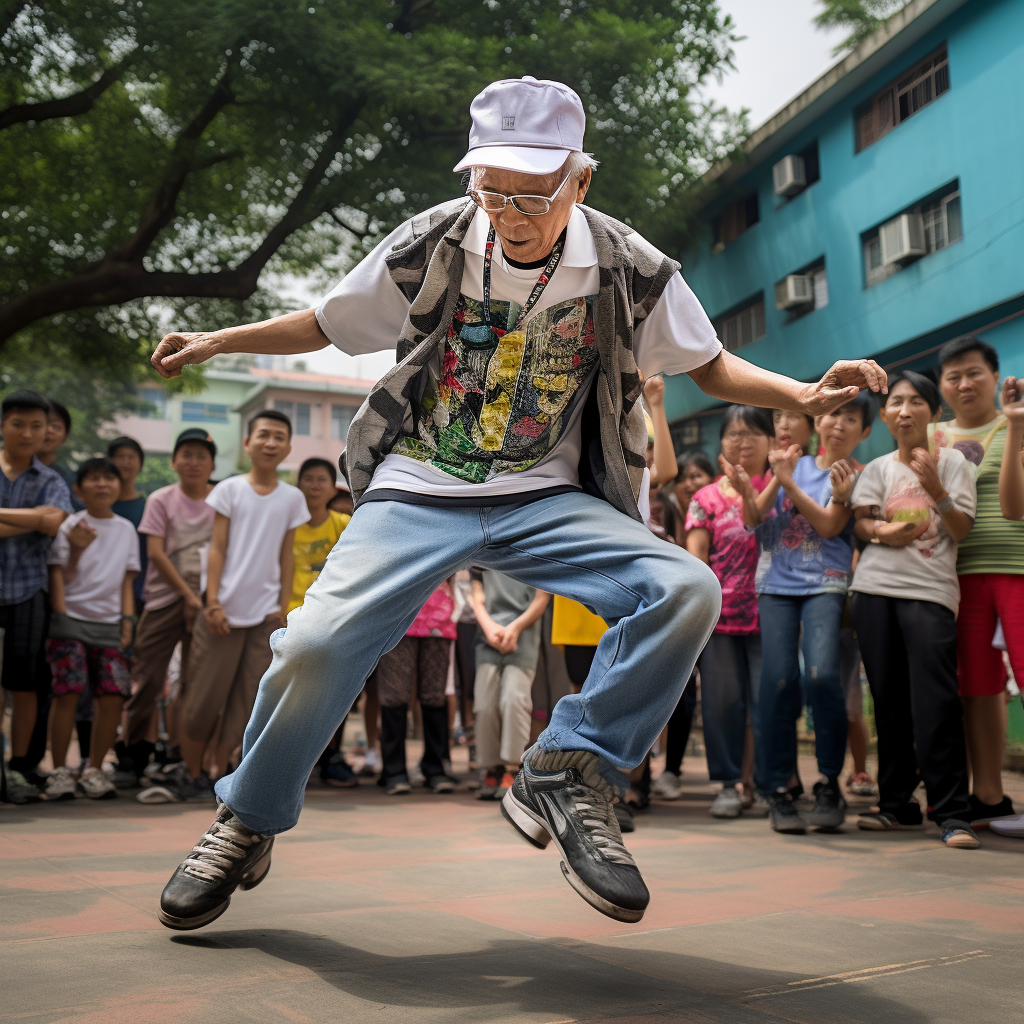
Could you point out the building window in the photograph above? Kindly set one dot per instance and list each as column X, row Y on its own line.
column 686, row 435
column 298, row 413
column 902, row 99
column 156, row 407
column 734, row 220
column 917, row 231
column 742, row 325
column 204, row 412
column 341, row 420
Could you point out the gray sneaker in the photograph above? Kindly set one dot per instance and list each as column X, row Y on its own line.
column 178, row 787
column 727, row 803
column 19, row 789
column 569, row 802
column 60, row 784
column 667, row 787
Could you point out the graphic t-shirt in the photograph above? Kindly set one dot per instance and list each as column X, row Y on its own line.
column 312, row 545
column 435, row 617
column 994, row 544
column 250, row 585
column 795, row 559
column 925, row 569
column 503, row 417
column 185, row 524
column 733, row 552
column 94, row 591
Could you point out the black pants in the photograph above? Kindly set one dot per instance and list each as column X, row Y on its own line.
column 909, row 653
column 679, row 726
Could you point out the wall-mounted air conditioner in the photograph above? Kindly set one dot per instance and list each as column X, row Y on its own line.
column 789, row 175
column 794, row 290
column 901, row 238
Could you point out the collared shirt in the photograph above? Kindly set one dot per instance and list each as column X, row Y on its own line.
column 540, row 425
column 23, row 558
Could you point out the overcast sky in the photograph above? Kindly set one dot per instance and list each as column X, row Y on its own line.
column 781, row 55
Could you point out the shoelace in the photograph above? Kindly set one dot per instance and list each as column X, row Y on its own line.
column 598, row 818
column 213, row 855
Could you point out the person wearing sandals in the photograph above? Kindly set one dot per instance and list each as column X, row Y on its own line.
column 913, row 508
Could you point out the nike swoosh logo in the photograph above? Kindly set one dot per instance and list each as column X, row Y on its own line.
column 558, row 819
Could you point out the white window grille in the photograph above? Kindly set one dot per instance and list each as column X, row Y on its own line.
column 742, row 327
column 341, row 420
column 903, row 98
column 941, row 222
column 298, row 413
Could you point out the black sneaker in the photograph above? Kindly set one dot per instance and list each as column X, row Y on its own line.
column 441, row 784
column 829, row 811
column 573, row 806
column 982, row 814
column 227, row 857
column 959, row 835
column 176, row 786
column 783, row 814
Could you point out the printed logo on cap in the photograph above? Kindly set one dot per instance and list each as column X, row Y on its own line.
column 508, row 124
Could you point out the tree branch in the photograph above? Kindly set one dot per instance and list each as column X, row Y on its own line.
column 346, row 227
column 114, row 279
column 184, row 161
column 410, row 8
column 67, row 106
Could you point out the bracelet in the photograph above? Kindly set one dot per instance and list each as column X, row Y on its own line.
column 946, row 505
column 130, row 618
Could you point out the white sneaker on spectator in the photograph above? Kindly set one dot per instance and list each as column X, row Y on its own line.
column 96, row 785
column 60, row 784
column 1009, row 826
column 727, row 803
column 667, row 787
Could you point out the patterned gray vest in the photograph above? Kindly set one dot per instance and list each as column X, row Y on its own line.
column 428, row 269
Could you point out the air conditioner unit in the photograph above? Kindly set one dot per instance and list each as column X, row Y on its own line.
column 794, row 290
column 901, row 238
column 789, row 176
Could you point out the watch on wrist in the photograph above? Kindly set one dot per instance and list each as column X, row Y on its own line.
column 946, row 505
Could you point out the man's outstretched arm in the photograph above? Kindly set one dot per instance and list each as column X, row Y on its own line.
column 735, row 380
column 286, row 335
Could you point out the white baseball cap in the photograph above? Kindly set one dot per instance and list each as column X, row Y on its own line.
column 524, row 125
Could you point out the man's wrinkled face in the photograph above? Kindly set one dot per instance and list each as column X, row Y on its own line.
column 525, row 238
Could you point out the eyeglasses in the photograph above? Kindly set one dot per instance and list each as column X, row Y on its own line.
column 530, row 206
column 740, row 435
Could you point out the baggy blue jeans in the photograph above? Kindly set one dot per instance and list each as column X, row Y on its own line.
column 781, row 694
column 659, row 602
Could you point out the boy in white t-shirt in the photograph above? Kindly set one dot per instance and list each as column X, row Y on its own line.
column 248, row 587
column 93, row 563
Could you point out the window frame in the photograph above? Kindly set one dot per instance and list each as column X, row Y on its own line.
column 733, row 314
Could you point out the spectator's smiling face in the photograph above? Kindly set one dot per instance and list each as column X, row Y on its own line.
column 525, row 238
column 693, row 480
column 907, row 415
column 969, row 384
column 317, row 487
column 269, row 444
column 98, row 492
column 24, row 432
column 193, row 463
column 128, row 462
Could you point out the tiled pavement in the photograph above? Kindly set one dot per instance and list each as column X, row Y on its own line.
column 427, row 908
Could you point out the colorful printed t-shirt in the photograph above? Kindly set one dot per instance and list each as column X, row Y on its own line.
column 994, row 544
column 186, row 526
column 312, row 545
column 925, row 569
column 795, row 559
column 732, row 554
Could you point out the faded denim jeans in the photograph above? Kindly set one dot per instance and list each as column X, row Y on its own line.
column 659, row 602
column 782, row 698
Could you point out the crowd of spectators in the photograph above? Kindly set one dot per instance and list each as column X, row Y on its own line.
column 144, row 623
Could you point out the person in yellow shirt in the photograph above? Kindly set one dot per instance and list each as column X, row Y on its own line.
column 313, row 542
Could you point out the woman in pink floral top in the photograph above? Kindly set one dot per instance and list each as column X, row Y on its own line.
column 421, row 657
column 730, row 666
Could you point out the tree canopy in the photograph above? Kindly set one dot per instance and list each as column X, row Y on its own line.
column 862, row 17
column 166, row 161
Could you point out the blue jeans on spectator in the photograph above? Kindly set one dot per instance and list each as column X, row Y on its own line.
column 660, row 604
column 730, row 676
column 781, row 695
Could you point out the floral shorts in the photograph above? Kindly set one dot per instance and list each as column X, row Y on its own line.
column 75, row 665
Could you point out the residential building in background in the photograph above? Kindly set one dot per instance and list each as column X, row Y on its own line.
column 880, row 213
column 321, row 407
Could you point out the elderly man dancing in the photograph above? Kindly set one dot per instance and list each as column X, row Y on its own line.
column 509, row 436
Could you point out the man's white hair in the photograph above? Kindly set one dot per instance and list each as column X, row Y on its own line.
column 576, row 163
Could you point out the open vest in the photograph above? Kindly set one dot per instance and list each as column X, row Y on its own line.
column 428, row 269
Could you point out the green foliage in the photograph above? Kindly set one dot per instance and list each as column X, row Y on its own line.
column 861, row 16
column 156, row 472
column 162, row 162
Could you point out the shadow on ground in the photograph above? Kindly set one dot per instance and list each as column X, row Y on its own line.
column 564, row 979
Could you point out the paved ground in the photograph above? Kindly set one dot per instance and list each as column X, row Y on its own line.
column 428, row 908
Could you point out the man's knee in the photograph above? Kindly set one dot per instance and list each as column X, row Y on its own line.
column 693, row 587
